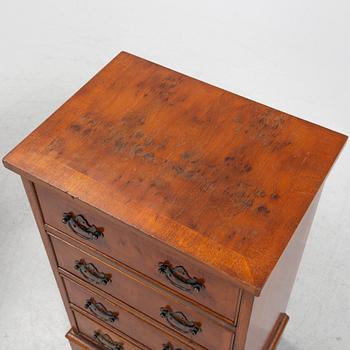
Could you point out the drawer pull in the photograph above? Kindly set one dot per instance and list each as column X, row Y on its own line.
column 168, row 346
column 80, row 226
column 107, row 342
column 100, row 311
column 179, row 321
column 90, row 272
column 180, row 278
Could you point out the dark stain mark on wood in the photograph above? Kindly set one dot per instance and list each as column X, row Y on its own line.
column 229, row 160
column 138, row 134
column 75, row 127
column 166, row 88
column 178, row 169
column 247, row 167
column 106, row 140
column 162, row 145
column 86, row 132
column 149, row 156
column 138, row 150
column 120, row 143
column 189, row 174
column 274, row 196
column 117, row 178
column 196, row 120
column 160, row 188
column 260, row 193
column 262, row 209
column 240, row 195
column 263, row 126
column 91, row 119
column 231, row 235
column 278, row 146
column 148, row 141
column 191, row 224
column 57, row 146
column 186, row 155
column 238, row 163
column 132, row 120
column 152, row 184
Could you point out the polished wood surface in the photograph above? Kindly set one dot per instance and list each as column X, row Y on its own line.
column 33, row 201
column 77, row 342
column 127, row 323
column 88, row 328
column 174, row 213
column 216, row 176
column 140, row 252
column 213, row 335
column 274, row 298
column 244, row 317
column 277, row 332
column 150, row 284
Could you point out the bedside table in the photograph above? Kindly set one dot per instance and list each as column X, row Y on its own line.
column 174, row 213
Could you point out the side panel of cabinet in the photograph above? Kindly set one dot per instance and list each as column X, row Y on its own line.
column 34, row 203
column 268, row 317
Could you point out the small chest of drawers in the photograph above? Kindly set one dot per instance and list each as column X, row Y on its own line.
column 174, row 213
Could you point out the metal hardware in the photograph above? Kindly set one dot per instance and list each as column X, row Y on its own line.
column 100, row 311
column 90, row 272
column 107, row 342
column 179, row 321
column 180, row 278
column 80, row 226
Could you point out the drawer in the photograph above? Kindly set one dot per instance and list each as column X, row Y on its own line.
column 161, row 306
column 117, row 317
column 142, row 253
column 78, row 342
column 102, row 336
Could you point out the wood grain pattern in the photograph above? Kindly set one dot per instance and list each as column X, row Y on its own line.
column 73, row 279
column 88, row 327
column 215, row 175
column 127, row 323
column 77, row 342
column 145, row 281
column 34, row 203
column 126, row 245
column 274, row 298
column 148, row 301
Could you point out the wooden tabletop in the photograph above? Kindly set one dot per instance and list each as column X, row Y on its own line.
column 215, row 175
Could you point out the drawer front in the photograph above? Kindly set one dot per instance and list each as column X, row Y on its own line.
column 152, row 302
column 140, row 252
column 102, row 336
column 117, row 317
column 78, row 342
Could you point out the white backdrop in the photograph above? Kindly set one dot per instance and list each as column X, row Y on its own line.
column 291, row 55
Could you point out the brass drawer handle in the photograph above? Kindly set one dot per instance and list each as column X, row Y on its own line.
column 80, row 226
column 180, row 278
column 168, row 346
column 90, row 272
column 179, row 321
column 100, row 311
column 107, row 342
